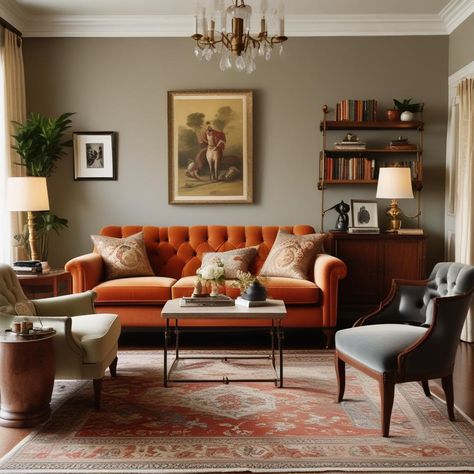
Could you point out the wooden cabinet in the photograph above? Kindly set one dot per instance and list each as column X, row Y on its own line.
column 372, row 262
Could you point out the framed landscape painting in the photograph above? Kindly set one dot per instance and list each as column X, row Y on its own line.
column 210, row 147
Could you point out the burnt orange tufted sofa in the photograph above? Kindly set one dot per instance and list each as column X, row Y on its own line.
column 175, row 255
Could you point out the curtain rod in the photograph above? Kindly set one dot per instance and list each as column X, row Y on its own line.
column 10, row 27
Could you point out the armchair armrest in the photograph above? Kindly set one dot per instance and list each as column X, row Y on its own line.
column 70, row 305
column 87, row 271
column 328, row 270
column 404, row 298
column 434, row 354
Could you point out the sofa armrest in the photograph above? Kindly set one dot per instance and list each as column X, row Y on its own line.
column 328, row 270
column 87, row 271
column 72, row 305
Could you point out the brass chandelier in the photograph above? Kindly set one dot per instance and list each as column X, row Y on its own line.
column 237, row 47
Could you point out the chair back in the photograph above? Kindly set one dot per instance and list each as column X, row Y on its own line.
column 10, row 293
column 447, row 279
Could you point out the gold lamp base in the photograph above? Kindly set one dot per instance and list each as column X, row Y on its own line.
column 393, row 212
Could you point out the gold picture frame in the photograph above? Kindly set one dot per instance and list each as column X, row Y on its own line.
column 210, row 147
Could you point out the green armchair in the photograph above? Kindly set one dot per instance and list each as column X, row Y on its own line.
column 412, row 337
column 85, row 343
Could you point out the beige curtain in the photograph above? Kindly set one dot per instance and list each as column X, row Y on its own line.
column 464, row 246
column 13, row 109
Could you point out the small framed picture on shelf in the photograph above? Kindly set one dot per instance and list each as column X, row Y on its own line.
column 95, row 155
column 364, row 213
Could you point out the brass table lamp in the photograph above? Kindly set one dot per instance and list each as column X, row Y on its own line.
column 29, row 194
column 394, row 183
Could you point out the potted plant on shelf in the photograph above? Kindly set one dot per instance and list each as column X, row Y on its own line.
column 407, row 109
column 39, row 142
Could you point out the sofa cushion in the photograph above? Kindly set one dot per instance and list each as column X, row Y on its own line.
column 233, row 260
column 125, row 257
column 137, row 290
column 292, row 255
column 290, row 290
column 97, row 334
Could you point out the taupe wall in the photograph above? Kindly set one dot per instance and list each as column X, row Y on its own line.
column 121, row 84
column 461, row 45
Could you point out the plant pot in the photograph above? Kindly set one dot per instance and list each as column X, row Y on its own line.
column 393, row 114
column 407, row 116
column 255, row 292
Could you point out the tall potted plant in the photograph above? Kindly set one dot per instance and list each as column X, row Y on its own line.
column 40, row 144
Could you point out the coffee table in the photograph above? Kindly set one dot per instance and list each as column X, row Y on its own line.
column 273, row 312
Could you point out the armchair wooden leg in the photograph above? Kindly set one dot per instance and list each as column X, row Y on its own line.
column 328, row 337
column 113, row 367
column 341, row 378
column 426, row 387
column 447, row 384
column 387, row 392
column 97, row 392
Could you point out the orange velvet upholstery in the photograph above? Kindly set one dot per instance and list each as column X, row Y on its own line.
column 175, row 255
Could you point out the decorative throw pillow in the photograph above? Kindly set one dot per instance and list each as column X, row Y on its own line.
column 123, row 257
column 25, row 308
column 292, row 255
column 233, row 260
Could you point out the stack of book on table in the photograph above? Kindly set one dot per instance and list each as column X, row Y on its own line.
column 250, row 303
column 350, row 142
column 219, row 300
column 28, row 267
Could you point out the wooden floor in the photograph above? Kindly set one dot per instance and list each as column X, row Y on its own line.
column 463, row 378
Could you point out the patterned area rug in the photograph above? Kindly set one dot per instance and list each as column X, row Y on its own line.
column 241, row 427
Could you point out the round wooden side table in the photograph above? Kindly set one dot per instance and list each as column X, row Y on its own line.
column 56, row 282
column 26, row 378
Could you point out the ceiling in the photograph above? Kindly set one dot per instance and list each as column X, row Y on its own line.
column 175, row 17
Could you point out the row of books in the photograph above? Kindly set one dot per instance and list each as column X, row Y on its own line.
column 356, row 110
column 360, row 168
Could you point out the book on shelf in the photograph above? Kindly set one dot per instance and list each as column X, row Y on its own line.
column 347, row 146
column 356, row 110
column 410, row 232
column 250, row 304
column 363, row 230
column 27, row 270
column 219, row 300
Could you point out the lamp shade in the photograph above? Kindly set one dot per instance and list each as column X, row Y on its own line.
column 27, row 194
column 394, row 183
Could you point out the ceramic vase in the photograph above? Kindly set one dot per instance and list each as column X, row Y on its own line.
column 407, row 116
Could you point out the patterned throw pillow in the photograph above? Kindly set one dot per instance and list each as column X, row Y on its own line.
column 233, row 260
column 25, row 308
column 292, row 255
column 123, row 257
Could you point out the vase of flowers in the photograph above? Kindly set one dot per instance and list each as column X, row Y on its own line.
column 213, row 275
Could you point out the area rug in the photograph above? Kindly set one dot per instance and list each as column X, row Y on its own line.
column 241, row 427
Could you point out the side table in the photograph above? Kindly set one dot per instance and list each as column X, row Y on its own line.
column 26, row 378
column 43, row 285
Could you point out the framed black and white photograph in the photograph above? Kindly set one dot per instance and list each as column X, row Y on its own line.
column 364, row 213
column 95, row 155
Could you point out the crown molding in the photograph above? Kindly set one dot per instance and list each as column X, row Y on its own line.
column 455, row 12
column 182, row 25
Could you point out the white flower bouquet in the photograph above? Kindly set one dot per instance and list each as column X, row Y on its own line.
column 213, row 274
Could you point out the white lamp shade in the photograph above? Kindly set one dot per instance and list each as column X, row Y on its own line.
column 27, row 194
column 394, row 183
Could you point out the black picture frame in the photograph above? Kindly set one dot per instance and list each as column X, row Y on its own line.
column 95, row 156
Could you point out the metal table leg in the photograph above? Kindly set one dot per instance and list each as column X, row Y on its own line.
column 280, row 349
column 165, row 353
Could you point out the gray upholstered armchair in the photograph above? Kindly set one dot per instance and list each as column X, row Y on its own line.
column 413, row 336
column 85, row 343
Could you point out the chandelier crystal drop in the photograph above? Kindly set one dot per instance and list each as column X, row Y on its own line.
column 226, row 32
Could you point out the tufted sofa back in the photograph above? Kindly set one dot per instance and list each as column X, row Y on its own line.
column 177, row 251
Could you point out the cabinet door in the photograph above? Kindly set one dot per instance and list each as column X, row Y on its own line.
column 403, row 258
column 363, row 258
